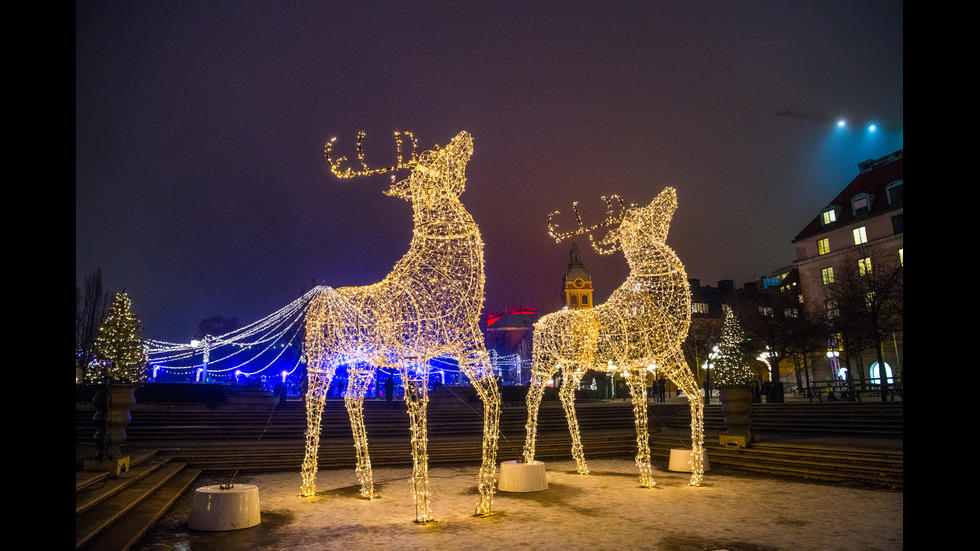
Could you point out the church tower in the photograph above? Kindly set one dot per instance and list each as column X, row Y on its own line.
column 577, row 283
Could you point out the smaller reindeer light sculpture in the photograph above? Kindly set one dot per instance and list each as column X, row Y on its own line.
column 642, row 324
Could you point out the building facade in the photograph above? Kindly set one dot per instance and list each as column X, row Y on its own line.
column 858, row 234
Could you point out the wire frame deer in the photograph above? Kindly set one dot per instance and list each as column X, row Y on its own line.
column 428, row 306
column 642, row 324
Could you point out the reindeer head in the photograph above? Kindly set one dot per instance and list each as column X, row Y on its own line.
column 439, row 174
column 645, row 226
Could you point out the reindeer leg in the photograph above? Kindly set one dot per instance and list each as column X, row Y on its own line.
column 318, row 383
column 354, row 400
column 416, row 399
column 542, row 369
column 534, row 394
column 636, row 380
column 681, row 375
column 569, row 383
column 486, row 387
column 480, row 373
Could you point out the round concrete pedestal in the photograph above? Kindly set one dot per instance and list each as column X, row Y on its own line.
column 522, row 477
column 680, row 460
column 216, row 509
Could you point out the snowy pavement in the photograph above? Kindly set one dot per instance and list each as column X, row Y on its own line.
column 606, row 510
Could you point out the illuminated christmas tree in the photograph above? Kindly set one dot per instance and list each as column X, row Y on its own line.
column 730, row 365
column 118, row 349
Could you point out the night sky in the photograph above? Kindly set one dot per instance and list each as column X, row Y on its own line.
column 201, row 186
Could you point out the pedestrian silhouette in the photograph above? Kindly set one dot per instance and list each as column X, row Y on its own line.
column 389, row 390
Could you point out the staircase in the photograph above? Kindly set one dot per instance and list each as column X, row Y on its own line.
column 854, row 419
column 113, row 513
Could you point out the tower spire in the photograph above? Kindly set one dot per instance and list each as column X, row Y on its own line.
column 577, row 284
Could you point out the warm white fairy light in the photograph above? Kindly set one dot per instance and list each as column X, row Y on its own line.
column 427, row 307
column 644, row 322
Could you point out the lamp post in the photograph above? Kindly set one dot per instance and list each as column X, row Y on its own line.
column 707, row 378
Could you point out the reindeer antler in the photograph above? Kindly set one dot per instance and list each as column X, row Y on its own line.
column 348, row 173
column 611, row 219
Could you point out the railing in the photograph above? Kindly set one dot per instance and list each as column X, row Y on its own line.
column 848, row 392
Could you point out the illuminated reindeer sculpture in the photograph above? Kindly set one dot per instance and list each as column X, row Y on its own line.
column 428, row 306
column 642, row 324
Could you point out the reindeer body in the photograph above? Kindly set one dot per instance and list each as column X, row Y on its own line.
column 428, row 306
column 642, row 324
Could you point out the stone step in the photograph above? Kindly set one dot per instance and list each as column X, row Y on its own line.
column 115, row 512
column 879, row 468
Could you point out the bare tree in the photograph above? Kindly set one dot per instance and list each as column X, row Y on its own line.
column 869, row 295
column 702, row 337
column 807, row 338
column 91, row 304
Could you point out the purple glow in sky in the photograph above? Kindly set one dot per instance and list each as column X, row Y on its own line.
column 201, row 186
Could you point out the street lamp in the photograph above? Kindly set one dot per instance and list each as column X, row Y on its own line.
column 710, row 363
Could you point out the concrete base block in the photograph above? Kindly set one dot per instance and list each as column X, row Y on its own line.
column 522, row 477
column 218, row 509
column 114, row 466
column 680, row 461
column 742, row 441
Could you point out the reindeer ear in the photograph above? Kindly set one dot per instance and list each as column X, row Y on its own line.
column 608, row 244
column 402, row 189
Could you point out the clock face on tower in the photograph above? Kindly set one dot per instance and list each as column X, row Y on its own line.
column 578, row 282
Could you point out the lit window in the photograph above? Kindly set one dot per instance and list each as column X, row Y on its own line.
column 864, row 266
column 827, row 275
column 765, row 311
column 828, row 216
column 791, row 313
column 860, row 235
column 823, row 245
column 699, row 307
column 901, row 257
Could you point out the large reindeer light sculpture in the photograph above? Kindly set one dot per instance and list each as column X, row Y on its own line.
column 642, row 324
column 428, row 306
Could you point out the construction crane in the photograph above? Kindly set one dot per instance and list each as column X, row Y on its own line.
column 818, row 116
column 804, row 114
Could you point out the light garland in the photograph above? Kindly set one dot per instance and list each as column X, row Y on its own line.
column 428, row 306
column 643, row 323
column 238, row 350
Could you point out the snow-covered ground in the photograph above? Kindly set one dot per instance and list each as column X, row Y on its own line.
column 605, row 510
